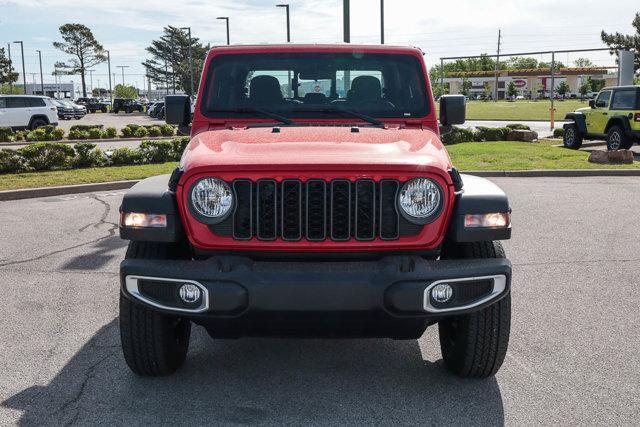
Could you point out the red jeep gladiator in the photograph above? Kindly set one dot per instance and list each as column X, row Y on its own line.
column 315, row 199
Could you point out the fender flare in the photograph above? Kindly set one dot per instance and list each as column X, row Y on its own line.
column 622, row 121
column 579, row 120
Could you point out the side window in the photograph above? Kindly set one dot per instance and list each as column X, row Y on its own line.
column 16, row 102
column 35, row 102
column 624, row 100
column 3, row 103
column 603, row 99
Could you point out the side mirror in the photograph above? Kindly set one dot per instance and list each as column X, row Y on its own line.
column 592, row 103
column 452, row 110
column 177, row 109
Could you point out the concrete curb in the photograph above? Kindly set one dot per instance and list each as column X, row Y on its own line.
column 555, row 173
column 93, row 141
column 31, row 193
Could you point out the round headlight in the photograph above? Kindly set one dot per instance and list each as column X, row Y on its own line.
column 211, row 197
column 420, row 199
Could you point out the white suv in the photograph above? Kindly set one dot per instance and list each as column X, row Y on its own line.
column 27, row 112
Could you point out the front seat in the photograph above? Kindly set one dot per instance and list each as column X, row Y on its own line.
column 265, row 90
column 365, row 89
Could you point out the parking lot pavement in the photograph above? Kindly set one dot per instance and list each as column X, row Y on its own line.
column 117, row 121
column 573, row 356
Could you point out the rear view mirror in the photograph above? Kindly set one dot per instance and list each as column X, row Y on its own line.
column 452, row 110
column 177, row 109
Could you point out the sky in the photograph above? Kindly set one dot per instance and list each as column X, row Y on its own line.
column 446, row 28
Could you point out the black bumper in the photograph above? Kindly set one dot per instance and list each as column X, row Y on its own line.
column 365, row 298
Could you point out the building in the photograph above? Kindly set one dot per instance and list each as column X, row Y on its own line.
column 53, row 90
column 533, row 83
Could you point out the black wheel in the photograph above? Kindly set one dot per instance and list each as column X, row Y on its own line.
column 103, row 109
column 617, row 139
column 38, row 122
column 127, row 110
column 571, row 137
column 475, row 345
column 153, row 343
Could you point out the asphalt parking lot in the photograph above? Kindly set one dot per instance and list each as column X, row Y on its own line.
column 117, row 121
column 573, row 357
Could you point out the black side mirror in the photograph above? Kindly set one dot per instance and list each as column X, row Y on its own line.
column 452, row 110
column 592, row 103
column 177, row 109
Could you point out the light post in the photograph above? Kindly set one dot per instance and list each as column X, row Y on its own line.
column 381, row 21
column 24, row 75
column 11, row 67
column 41, row 78
column 90, row 81
column 225, row 18
column 190, row 59
column 110, row 89
column 286, row 7
column 122, row 67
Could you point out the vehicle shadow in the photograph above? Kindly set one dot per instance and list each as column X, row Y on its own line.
column 98, row 256
column 262, row 381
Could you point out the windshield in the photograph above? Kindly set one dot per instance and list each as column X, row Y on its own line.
column 315, row 85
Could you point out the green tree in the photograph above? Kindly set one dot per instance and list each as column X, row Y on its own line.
column 585, row 87
column 466, row 86
column 548, row 65
column 583, row 63
column 7, row 74
column 619, row 41
column 100, row 92
column 512, row 91
column 170, row 59
column 562, row 89
column 79, row 42
column 596, row 85
column 487, row 90
column 522, row 63
column 122, row 91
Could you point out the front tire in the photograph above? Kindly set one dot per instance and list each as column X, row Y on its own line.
column 571, row 137
column 475, row 345
column 153, row 344
column 617, row 139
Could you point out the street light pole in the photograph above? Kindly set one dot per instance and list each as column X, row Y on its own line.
column 225, row 18
column 381, row 21
column 91, row 80
column 24, row 75
column 41, row 78
column 110, row 89
column 11, row 66
column 190, row 60
column 346, row 21
column 286, row 6
column 122, row 67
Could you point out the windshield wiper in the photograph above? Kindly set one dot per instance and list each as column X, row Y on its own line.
column 251, row 110
column 334, row 109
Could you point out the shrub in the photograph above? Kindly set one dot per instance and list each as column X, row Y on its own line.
column 46, row 155
column 110, row 132
column 558, row 133
column 179, row 145
column 124, row 156
column 518, row 126
column 483, row 133
column 78, row 134
column 95, row 133
column 11, row 161
column 156, row 151
column 85, row 127
column 167, row 130
column 457, row 135
column 20, row 135
column 39, row 134
column 6, row 134
column 140, row 132
column 87, row 155
column 126, row 132
column 155, row 131
column 56, row 134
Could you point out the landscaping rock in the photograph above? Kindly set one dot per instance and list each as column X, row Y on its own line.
column 522, row 135
column 615, row 157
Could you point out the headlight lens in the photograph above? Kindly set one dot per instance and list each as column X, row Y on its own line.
column 212, row 197
column 420, row 198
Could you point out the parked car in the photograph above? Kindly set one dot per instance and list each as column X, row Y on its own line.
column 127, row 105
column 614, row 116
column 93, row 104
column 65, row 111
column 79, row 110
column 315, row 216
column 27, row 112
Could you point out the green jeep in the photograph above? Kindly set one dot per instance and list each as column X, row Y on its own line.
column 614, row 116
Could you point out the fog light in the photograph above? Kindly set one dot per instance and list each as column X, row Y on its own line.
column 441, row 293
column 190, row 293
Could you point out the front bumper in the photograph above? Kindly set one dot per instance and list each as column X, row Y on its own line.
column 241, row 296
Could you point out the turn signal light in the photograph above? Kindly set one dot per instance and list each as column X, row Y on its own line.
column 490, row 220
column 134, row 219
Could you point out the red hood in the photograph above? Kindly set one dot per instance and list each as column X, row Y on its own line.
column 317, row 148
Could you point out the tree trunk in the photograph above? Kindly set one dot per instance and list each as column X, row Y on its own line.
column 84, row 84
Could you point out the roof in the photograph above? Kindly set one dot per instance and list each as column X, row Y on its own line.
column 335, row 47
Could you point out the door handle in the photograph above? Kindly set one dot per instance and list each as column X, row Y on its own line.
column 604, row 114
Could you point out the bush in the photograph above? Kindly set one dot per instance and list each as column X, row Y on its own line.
column 110, row 133
column 46, row 155
column 457, row 135
column 20, row 135
column 124, row 156
column 483, row 133
column 78, row 134
column 87, row 155
column 558, row 132
column 156, row 151
column 57, row 134
column 6, row 134
column 155, row 131
column 84, row 127
column 39, row 134
column 179, row 145
column 95, row 133
column 167, row 130
column 518, row 126
column 126, row 132
column 45, row 133
column 11, row 161
column 140, row 132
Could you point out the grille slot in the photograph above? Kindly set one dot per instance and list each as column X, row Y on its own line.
column 315, row 210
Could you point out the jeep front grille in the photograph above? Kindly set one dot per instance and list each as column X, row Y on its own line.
column 315, row 210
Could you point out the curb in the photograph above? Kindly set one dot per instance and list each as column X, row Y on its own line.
column 31, row 193
column 93, row 141
column 555, row 173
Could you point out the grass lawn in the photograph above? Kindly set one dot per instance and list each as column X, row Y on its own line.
column 520, row 110
column 82, row 176
column 508, row 155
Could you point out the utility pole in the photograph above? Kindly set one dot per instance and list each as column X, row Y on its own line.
column 10, row 65
column 495, row 89
column 122, row 67
column 190, row 60
column 166, row 78
column 110, row 89
column 226, row 19
column 552, row 91
column 286, row 6
column 381, row 21
column 346, row 21
column 41, row 78
column 33, row 82
column 91, row 81
column 441, row 77
column 24, row 74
